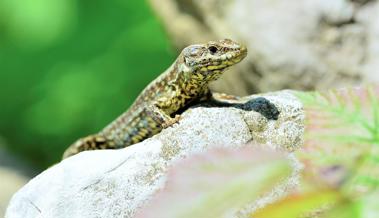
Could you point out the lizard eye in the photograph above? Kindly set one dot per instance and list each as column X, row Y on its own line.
column 212, row 49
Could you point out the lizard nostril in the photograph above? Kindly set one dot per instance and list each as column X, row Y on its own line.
column 212, row 49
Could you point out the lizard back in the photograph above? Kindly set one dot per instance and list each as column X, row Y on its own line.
column 184, row 82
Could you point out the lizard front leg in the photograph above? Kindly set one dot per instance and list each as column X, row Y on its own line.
column 259, row 104
column 164, row 119
column 219, row 99
column 161, row 111
column 167, row 106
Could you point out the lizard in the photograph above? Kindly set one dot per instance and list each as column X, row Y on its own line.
column 158, row 106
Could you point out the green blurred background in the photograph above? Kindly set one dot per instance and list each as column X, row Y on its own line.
column 69, row 67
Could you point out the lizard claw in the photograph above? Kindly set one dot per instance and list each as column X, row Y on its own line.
column 171, row 121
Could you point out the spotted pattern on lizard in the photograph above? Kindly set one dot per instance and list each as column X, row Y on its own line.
column 184, row 83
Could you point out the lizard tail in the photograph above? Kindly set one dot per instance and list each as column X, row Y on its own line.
column 91, row 142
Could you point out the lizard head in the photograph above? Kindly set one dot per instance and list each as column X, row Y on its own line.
column 207, row 61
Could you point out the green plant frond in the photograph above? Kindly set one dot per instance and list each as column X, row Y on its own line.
column 370, row 162
column 350, row 117
column 321, row 103
column 373, row 158
column 356, row 101
column 368, row 181
column 375, row 110
column 345, row 122
column 307, row 98
column 341, row 139
column 346, row 107
column 365, row 174
column 340, row 101
column 374, row 99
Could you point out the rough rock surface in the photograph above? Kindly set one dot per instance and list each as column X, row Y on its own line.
column 318, row 43
column 10, row 182
column 115, row 183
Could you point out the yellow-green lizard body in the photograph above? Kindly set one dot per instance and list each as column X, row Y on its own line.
column 180, row 86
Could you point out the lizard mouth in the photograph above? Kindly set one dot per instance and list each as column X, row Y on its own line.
column 225, row 61
column 239, row 55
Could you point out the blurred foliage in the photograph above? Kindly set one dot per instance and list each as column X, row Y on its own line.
column 344, row 121
column 226, row 180
column 339, row 176
column 341, row 149
column 69, row 67
column 340, row 156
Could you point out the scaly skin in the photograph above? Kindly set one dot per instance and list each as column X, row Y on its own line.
column 180, row 86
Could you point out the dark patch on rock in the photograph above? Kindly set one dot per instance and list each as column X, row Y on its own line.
column 262, row 106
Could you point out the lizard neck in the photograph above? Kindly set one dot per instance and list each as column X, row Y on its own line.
column 190, row 84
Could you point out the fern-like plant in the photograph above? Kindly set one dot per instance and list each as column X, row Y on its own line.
column 342, row 129
column 340, row 154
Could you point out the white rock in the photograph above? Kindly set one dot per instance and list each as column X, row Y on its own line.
column 10, row 182
column 115, row 183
